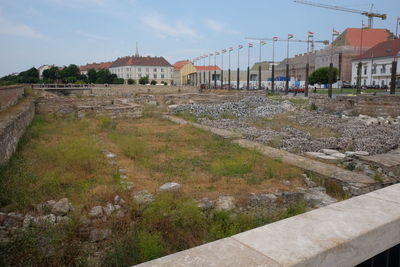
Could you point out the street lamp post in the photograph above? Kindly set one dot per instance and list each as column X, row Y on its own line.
column 229, row 67
column 259, row 66
column 310, row 35
column 222, row 68
column 394, row 62
column 238, row 69
column 359, row 66
column 273, row 64
column 209, row 70
column 290, row 36
column 215, row 70
column 248, row 65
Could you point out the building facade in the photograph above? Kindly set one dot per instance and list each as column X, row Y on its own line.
column 376, row 65
column 96, row 66
column 136, row 67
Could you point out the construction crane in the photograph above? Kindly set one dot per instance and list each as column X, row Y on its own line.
column 311, row 41
column 369, row 14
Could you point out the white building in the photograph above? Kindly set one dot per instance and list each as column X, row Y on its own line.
column 377, row 65
column 135, row 67
column 43, row 68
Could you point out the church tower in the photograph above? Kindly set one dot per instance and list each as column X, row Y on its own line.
column 137, row 51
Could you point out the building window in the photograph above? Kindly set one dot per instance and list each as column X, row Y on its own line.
column 155, row 76
column 162, row 76
column 373, row 69
column 383, row 69
column 382, row 82
column 162, row 69
column 127, row 69
column 365, row 70
column 139, row 69
column 365, row 82
column 373, row 82
column 155, row 70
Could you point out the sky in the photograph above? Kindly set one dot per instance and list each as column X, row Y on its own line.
column 63, row 32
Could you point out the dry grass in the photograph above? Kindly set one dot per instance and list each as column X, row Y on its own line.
column 287, row 119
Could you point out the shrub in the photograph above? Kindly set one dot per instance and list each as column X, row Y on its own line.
column 105, row 122
column 153, row 82
column 131, row 81
column 313, row 106
column 144, row 80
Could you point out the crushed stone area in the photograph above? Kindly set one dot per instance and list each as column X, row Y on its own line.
column 356, row 133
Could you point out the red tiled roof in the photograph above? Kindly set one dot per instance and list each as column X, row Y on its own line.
column 96, row 66
column 207, row 68
column 140, row 61
column 179, row 64
column 384, row 49
column 370, row 37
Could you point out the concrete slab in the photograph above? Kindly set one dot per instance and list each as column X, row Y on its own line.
column 224, row 252
column 342, row 234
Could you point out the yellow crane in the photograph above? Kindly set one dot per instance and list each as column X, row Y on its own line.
column 371, row 15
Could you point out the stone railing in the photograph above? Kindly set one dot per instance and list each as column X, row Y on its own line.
column 9, row 95
column 346, row 233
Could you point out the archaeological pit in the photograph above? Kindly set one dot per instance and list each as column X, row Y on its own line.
column 123, row 177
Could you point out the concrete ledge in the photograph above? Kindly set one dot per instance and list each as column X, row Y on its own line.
column 342, row 234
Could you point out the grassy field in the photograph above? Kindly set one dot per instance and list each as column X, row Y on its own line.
column 336, row 91
column 64, row 157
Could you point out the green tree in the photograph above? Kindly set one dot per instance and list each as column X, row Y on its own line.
column 144, row 80
column 50, row 74
column 321, row 76
column 92, row 75
column 71, row 71
column 153, row 82
column 131, row 81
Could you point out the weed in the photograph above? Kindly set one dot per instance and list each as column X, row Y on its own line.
column 313, row 107
column 106, row 123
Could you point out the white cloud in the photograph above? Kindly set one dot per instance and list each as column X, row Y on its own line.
column 8, row 27
column 163, row 29
column 219, row 27
column 92, row 36
column 79, row 3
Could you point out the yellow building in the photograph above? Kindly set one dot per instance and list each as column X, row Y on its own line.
column 182, row 70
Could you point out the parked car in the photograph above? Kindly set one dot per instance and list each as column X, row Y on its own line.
column 296, row 90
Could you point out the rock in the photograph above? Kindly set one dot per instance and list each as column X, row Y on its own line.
column 308, row 181
column 361, row 153
column 142, row 197
column 46, row 219
column 13, row 219
column 99, row 234
column 96, row 212
column 329, row 151
column 62, row 207
column 28, row 221
column 110, row 155
column 205, row 204
column 225, row 203
column 46, row 207
column 122, row 171
column 153, row 102
column 127, row 185
column 170, row 187
column 338, row 155
column 317, row 198
column 108, row 209
column 2, row 218
column 259, row 201
column 286, row 182
column 117, row 207
column 118, row 200
column 349, row 153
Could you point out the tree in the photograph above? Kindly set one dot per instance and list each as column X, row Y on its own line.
column 321, row 76
column 71, row 71
column 144, row 80
column 153, row 82
column 92, row 76
column 50, row 74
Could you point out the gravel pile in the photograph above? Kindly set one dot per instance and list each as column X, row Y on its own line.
column 250, row 106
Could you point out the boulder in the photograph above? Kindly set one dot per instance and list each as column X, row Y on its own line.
column 328, row 158
column 225, row 203
column 317, row 198
column 170, row 187
column 142, row 197
column 99, row 234
column 62, row 219
column 338, row 155
column 62, row 207
column 257, row 201
column 96, row 212
column 205, row 204
column 315, row 154
column 46, row 219
column 119, row 200
column 13, row 219
column 28, row 221
column 108, row 209
column 361, row 153
column 46, row 207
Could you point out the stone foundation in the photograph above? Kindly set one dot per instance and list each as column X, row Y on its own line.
column 9, row 95
column 13, row 123
column 375, row 106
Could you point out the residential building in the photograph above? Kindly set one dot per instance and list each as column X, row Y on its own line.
column 43, row 68
column 346, row 47
column 135, row 67
column 376, row 63
column 96, row 66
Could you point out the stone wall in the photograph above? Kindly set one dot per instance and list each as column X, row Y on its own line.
column 84, row 106
column 376, row 106
column 13, row 123
column 9, row 95
column 131, row 90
